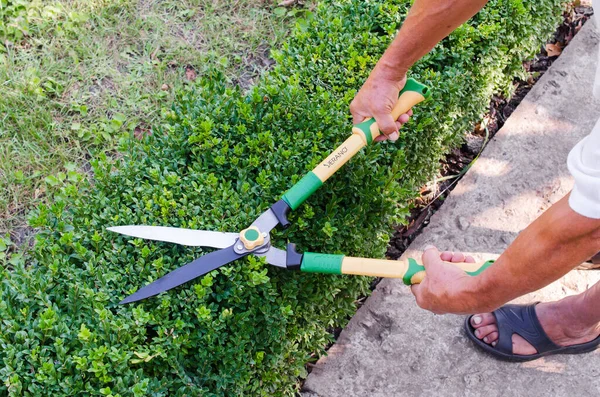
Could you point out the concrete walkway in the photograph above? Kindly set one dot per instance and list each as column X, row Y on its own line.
column 392, row 348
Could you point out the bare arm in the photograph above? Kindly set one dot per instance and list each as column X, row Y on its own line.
column 555, row 243
column 428, row 22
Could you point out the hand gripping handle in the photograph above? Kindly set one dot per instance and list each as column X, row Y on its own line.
column 410, row 271
column 362, row 135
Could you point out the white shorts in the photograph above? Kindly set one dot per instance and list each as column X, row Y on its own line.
column 584, row 165
column 584, row 161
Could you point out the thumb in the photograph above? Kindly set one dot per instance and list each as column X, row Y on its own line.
column 387, row 125
column 430, row 257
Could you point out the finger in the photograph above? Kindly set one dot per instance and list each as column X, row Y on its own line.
column 469, row 259
column 417, row 291
column 403, row 118
column 386, row 123
column 430, row 256
column 458, row 257
column 414, row 289
column 357, row 117
column 446, row 256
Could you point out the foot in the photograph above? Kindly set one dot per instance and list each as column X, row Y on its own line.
column 558, row 319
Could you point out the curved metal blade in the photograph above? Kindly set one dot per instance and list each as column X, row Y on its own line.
column 266, row 221
column 275, row 257
column 193, row 238
column 186, row 273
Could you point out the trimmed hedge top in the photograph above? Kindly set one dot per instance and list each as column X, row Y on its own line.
column 226, row 156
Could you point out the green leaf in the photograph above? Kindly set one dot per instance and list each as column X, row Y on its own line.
column 84, row 333
column 52, row 180
column 120, row 117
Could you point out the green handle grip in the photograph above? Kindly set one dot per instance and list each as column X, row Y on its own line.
column 362, row 135
column 410, row 271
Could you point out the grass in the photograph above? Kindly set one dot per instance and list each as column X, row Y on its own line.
column 75, row 75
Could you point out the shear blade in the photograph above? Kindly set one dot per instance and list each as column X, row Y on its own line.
column 275, row 257
column 186, row 273
column 190, row 237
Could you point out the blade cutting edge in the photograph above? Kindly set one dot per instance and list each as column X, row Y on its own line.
column 185, row 273
column 189, row 237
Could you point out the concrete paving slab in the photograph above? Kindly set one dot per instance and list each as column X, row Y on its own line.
column 393, row 348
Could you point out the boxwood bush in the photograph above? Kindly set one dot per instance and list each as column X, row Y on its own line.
column 224, row 157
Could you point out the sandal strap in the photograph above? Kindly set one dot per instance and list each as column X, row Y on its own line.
column 523, row 321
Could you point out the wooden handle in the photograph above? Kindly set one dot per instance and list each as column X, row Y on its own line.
column 410, row 271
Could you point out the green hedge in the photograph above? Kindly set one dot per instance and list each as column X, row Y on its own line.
column 247, row 329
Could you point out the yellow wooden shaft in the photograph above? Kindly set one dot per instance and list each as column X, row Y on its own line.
column 374, row 267
column 358, row 140
column 339, row 157
column 393, row 269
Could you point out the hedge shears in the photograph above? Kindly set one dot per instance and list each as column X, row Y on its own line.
column 256, row 239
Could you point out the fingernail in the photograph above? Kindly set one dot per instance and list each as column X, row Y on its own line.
column 394, row 136
column 428, row 247
column 477, row 320
column 485, row 339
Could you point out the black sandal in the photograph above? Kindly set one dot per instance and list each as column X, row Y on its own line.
column 523, row 321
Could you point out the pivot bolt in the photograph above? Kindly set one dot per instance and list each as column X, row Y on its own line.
column 252, row 237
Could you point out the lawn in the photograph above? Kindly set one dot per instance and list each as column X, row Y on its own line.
column 76, row 75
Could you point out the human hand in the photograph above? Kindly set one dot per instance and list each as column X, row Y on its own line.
column 377, row 98
column 445, row 288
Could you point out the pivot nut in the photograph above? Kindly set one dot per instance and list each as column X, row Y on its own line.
column 252, row 238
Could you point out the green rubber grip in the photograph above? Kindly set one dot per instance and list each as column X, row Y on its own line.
column 482, row 268
column 302, row 190
column 411, row 85
column 415, row 86
column 321, row 263
column 413, row 268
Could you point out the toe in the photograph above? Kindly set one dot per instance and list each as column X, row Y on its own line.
column 491, row 338
column 483, row 332
column 469, row 259
column 480, row 320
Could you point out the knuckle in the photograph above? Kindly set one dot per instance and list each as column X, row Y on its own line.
column 420, row 301
column 353, row 105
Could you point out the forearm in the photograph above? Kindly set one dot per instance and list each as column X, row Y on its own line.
column 550, row 247
column 427, row 23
